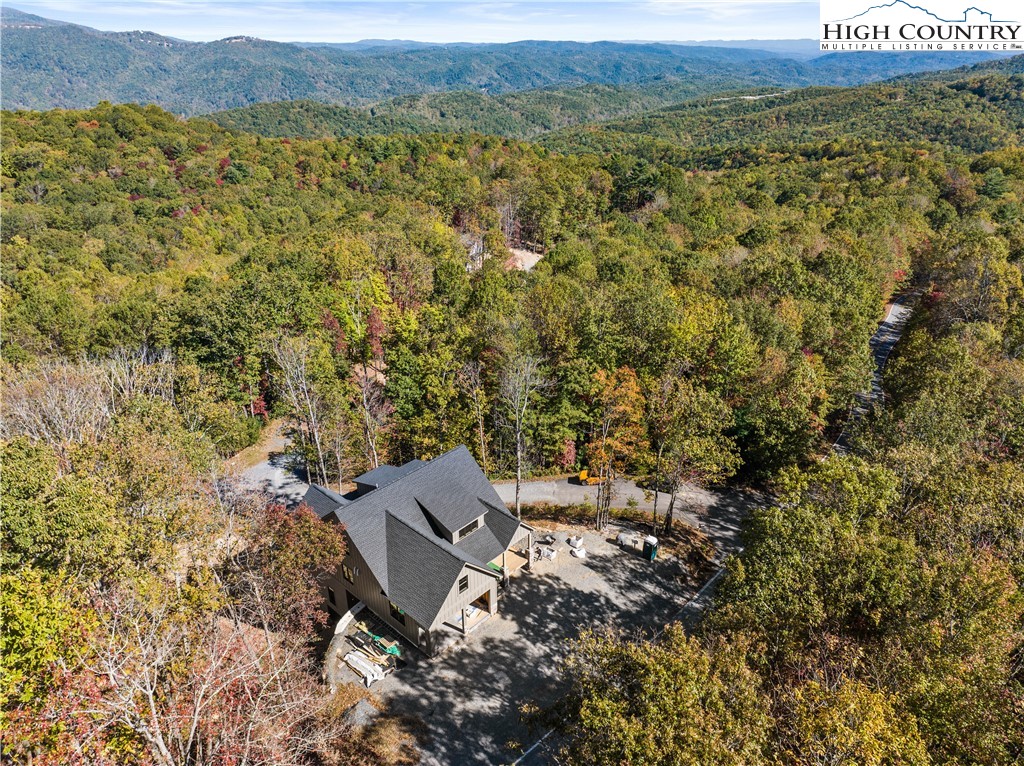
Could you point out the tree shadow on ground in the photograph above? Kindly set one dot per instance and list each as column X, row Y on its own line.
column 284, row 479
column 722, row 520
column 469, row 698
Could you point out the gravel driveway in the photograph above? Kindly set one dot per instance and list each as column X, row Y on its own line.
column 469, row 697
column 716, row 513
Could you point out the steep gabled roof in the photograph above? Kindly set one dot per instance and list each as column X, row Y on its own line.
column 398, row 528
column 323, row 501
column 494, row 535
column 447, row 500
column 385, row 474
column 416, row 567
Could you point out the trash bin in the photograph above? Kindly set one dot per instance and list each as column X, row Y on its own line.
column 650, row 547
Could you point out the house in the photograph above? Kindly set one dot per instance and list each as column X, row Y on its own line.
column 429, row 545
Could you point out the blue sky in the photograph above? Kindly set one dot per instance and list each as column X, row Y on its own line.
column 442, row 20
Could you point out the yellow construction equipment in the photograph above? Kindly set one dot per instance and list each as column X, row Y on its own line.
column 589, row 479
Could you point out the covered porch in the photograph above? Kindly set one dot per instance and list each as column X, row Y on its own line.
column 473, row 614
column 518, row 555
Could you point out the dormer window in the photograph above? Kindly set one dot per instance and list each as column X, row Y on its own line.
column 468, row 529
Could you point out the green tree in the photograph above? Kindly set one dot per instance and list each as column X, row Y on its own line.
column 670, row 701
column 689, row 435
column 618, row 439
column 848, row 723
column 56, row 522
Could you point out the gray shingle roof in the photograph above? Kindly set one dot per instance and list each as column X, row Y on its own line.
column 420, row 575
column 323, row 500
column 385, row 474
column 395, row 528
column 482, row 545
column 449, row 501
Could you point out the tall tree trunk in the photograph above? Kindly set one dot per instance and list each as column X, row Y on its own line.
column 520, row 381
column 470, row 377
column 337, row 454
column 657, row 483
column 483, row 441
column 300, row 429
column 604, row 496
column 519, row 471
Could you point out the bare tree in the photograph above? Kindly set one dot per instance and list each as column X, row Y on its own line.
column 341, row 434
column 293, row 357
column 230, row 679
column 507, row 200
column 203, row 692
column 57, row 402
column 521, row 381
column 471, row 379
column 142, row 372
column 374, row 409
column 62, row 403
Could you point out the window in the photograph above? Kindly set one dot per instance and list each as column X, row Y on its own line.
column 471, row 527
column 396, row 613
column 463, row 583
column 330, row 597
column 346, row 572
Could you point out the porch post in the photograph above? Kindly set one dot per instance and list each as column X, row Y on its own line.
column 529, row 554
column 465, row 631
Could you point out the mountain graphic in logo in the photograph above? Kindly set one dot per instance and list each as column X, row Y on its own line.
column 904, row 9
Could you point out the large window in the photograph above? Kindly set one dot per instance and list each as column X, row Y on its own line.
column 470, row 527
column 396, row 613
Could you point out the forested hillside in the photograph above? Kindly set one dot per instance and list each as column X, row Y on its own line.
column 169, row 286
column 49, row 64
column 522, row 114
column 979, row 108
column 875, row 616
column 982, row 108
column 127, row 227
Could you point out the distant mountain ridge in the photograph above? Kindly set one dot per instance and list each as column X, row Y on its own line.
column 973, row 109
column 799, row 49
column 533, row 113
column 521, row 114
column 48, row 64
column 11, row 18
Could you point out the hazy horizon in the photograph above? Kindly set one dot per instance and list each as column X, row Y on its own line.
column 434, row 21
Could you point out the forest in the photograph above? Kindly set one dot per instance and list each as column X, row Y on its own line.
column 980, row 111
column 53, row 64
column 977, row 108
column 170, row 286
column 519, row 114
